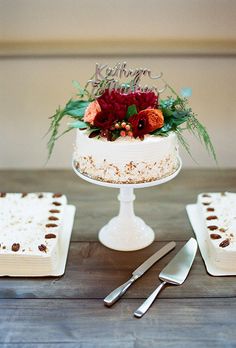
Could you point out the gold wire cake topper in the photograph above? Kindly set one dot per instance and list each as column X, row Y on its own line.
column 106, row 77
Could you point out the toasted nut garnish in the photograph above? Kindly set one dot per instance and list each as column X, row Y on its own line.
column 15, row 247
column 51, row 225
column 225, row 243
column 212, row 227
column 212, row 217
column 215, row 236
column 50, row 235
column 54, row 211
column 53, row 218
column 57, row 195
column 42, row 247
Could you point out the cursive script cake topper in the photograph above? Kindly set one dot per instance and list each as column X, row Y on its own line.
column 106, row 77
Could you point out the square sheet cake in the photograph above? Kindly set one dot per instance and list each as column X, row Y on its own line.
column 30, row 228
column 218, row 213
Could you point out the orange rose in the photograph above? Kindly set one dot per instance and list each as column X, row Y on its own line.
column 146, row 121
column 91, row 112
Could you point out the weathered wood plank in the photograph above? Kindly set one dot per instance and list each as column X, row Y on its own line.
column 87, row 323
column 93, row 271
column 162, row 207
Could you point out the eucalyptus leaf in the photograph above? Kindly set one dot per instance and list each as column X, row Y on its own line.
column 76, row 108
column 167, row 112
column 164, row 130
column 79, row 124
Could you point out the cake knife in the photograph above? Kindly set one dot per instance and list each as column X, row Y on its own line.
column 117, row 293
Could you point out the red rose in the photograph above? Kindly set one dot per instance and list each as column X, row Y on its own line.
column 104, row 120
column 117, row 102
column 146, row 121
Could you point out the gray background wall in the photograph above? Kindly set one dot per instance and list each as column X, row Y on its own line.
column 44, row 45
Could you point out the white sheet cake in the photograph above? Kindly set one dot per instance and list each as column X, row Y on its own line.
column 218, row 211
column 30, row 227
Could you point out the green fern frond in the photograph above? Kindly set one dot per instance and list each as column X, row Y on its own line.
column 197, row 129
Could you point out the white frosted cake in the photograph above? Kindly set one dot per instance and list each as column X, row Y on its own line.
column 126, row 132
column 218, row 211
column 30, row 228
column 126, row 160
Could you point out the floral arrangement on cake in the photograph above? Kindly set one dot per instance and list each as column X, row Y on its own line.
column 113, row 109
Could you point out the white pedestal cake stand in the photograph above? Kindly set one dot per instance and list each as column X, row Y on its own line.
column 127, row 232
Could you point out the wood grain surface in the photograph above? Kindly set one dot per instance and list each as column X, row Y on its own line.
column 68, row 311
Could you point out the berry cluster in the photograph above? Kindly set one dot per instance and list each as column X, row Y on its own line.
column 124, row 128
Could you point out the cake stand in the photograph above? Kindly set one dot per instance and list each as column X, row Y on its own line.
column 126, row 231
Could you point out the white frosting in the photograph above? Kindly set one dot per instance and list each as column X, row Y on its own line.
column 126, row 160
column 25, row 220
column 222, row 223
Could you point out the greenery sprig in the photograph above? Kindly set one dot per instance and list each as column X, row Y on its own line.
column 177, row 112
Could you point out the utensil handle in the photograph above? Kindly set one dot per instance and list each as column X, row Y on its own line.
column 146, row 304
column 117, row 293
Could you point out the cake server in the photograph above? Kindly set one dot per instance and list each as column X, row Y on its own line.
column 117, row 293
column 174, row 273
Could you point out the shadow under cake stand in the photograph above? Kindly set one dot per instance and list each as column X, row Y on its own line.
column 126, row 231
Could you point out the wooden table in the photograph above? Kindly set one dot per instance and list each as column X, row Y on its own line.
column 69, row 311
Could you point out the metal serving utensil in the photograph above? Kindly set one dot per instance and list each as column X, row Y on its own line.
column 174, row 273
column 117, row 293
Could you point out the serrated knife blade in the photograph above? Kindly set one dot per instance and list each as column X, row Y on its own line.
column 117, row 293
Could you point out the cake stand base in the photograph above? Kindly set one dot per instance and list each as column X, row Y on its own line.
column 126, row 235
column 127, row 232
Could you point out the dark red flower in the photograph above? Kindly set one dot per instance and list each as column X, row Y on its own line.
column 104, row 119
column 146, row 121
column 117, row 102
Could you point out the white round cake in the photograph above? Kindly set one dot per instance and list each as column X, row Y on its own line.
column 126, row 132
column 126, row 160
